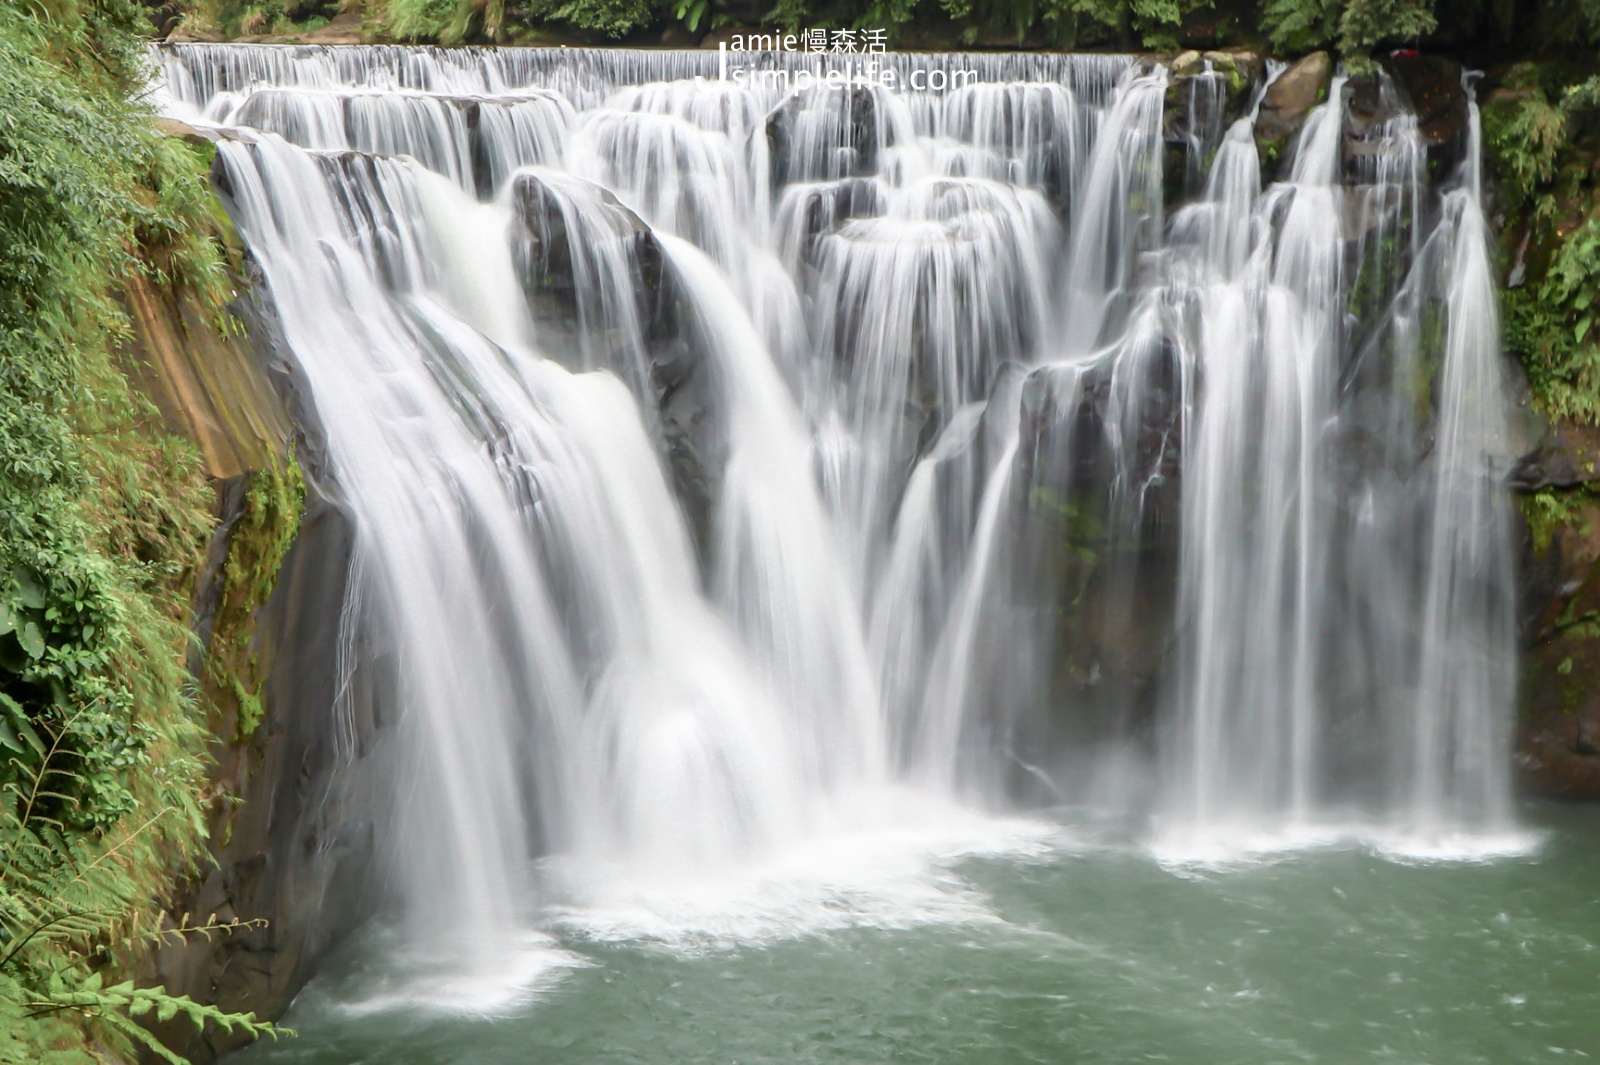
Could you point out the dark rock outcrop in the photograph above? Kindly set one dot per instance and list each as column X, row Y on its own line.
column 828, row 206
column 605, row 298
column 549, row 257
column 290, row 831
column 1558, row 735
column 293, row 830
column 1099, row 464
column 1428, row 86
column 1559, row 729
column 1433, row 86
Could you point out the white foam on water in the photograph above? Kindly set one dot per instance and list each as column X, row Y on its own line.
column 1220, row 847
column 887, row 859
column 409, row 980
column 1416, row 848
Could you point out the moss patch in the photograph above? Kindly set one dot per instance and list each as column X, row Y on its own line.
column 260, row 538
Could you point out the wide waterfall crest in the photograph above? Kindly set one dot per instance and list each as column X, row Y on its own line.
column 757, row 494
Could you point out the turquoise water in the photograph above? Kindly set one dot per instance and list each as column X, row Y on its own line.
column 1087, row 952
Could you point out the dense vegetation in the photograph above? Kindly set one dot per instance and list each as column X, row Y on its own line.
column 1542, row 139
column 1353, row 27
column 102, row 520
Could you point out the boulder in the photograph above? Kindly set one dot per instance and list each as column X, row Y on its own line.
column 1568, row 456
column 1288, row 101
column 545, row 251
column 1368, row 110
column 172, row 127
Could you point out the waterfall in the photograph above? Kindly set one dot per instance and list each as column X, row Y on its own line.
column 1256, row 534
column 1468, row 630
column 748, row 474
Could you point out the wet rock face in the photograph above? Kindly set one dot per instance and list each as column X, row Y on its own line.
column 1287, row 102
column 1099, row 464
column 597, row 282
column 293, row 856
column 685, row 397
column 830, row 206
column 622, row 313
column 547, row 254
column 1368, row 113
column 1428, row 86
column 1559, row 731
column 816, row 135
column 1124, row 434
column 1558, row 737
column 297, row 853
column 1193, row 122
column 1433, row 85
column 482, row 167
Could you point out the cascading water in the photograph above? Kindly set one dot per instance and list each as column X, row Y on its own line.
column 739, row 471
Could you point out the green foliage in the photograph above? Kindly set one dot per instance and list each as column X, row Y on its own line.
column 1551, row 325
column 612, row 18
column 1154, row 24
column 1364, row 24
column 1566, row 23
column 446, row 21
column 1522, row 137
column 75, row 201
column 1159, row 23
column 1076, row 22
column 1585, row 96
column 1550, row 509
column 102, row 520
column 1300, row 25
column 69, row 902
column 1545, row 184
column 1355, row 27
column 236, row 18
column 690, row 12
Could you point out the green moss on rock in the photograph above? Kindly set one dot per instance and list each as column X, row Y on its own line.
column 257, row 542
